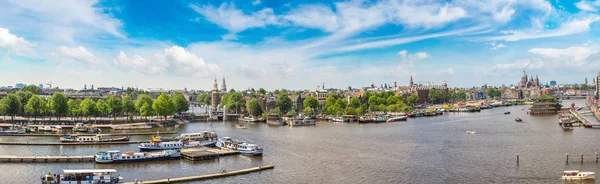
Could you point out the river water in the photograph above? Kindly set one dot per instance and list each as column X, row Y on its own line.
column 420, row 150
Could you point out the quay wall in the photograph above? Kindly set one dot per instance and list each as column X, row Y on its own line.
column 207, row 176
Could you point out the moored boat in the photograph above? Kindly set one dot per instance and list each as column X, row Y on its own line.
column 248, row 119
column 470, row 132
column 399, row 118
column 131, row 127
column 160, row 145
column 240, row 126
column 567, row 125
column 96, row 130
column 576, row 175
column 80, row 127
column 116, row 156
column 82, row 176
column 46, row 129
column 95, row 138
column 276, row 122
column 301, row 121
column 339, row 119
column 507, row 112
column 199, row 136
column 250, row 149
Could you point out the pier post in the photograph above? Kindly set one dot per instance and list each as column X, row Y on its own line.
column 596, row 155
column 581, row 157
column 517, row 159
column 567, row 157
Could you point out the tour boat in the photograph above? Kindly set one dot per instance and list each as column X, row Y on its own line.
column 11, row 131
column 470, row 132
column 160, row 145
column 576, row 175
column 518, row 120
column 224, row 142
column 250, row 149
column 399, row 118
column 82, row 176
column 46, row 129
column 199, row 135
column 507, row 112
column 116, row 156
column 131, row 127
column 95, row 138
column 240, row 126
column 80, row 127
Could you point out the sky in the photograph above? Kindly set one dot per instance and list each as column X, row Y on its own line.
column 300, row 44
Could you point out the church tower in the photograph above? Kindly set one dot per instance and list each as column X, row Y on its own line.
column 224, row 86
column 523, row 82
column 215, row 86
column 411, row 80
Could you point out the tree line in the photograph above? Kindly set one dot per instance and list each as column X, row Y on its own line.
column 28, row 104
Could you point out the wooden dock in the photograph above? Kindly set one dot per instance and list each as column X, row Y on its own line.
column 25, row 158
column 208, row 176
column 68, row 143
column 586, row 123
column 59, row 135
column 205, row 153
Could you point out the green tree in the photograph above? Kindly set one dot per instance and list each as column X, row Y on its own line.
column 58, row 104
column 292, row 113
column 141, row 100
column 24, row 98
column 163, row 106
column 146, row 109
column 204, row 99
column 254, row 107
column 128, row 106
column 492, row 93
column 34, row 106
column 129, row 91
column 308, row 110
column 283, row 102
column 354, row 102
column 262, row 91
column 102, row 108
column 44, row 106
column 311, row 102
column 33, row 89
column 413, row 99
column 350, row 111
column 87, row 107
column 12, row 105
column 115, row 106
column 234, row 102
column 73, row 108
column 181, row 104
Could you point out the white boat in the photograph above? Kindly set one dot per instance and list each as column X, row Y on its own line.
column 95, row 138
column 248, row 119
column 57, row 129
column 250, row 149
column 338, row 119
column 116, row 156
column 131, row 127
column 168, row 145
column 470, row 132
column 80, row 127
column 46, row 129
column 301, row 122
column 566, row 125
column 576, row 175
column 225, row 142
column 82, row 176
column 399, row 118
column 11, row 131
column 199, row 135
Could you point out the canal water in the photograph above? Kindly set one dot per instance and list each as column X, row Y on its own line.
column 421, row 150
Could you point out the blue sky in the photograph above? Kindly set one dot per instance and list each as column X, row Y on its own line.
column 298, row 44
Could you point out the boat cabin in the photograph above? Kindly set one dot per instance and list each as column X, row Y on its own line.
column 88, row 176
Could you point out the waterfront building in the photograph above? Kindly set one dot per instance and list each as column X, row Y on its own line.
column 544, row 105
column 598, row 86
column 322, row 96
column 422, row 91
column 217, row 95
column 19, row 85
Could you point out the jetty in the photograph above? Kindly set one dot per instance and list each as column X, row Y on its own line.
column 68, row 143
column 26, row 158
column 586, row 122
column 59, row 135
column 207, row 176
column 205, row 153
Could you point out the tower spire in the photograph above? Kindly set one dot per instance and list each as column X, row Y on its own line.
column 224, row 86
column 215, row 85
column 411, row 80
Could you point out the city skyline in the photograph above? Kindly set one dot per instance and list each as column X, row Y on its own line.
column 274, row 45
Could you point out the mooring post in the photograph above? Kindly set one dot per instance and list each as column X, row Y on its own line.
column 517, row 159
column 596, row 155
column 581, row 157
column 567, row 157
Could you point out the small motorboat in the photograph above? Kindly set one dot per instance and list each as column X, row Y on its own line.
column 576, row 175
column 46, row 129
column 240, row 126
column 470, row 132
column 96, row 130
column 507, row 112
column 518, row 120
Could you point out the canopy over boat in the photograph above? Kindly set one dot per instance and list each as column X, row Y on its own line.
column 77, row 171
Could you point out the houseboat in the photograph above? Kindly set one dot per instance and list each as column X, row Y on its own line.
column 131, row 127
column 11, row 131
column 160, row 145
column 80, row 127
column 339, row 119
column 567, row 125
column 199, row 136
column 250, row 149
column 57, row 129
column 46, row 129
column 576, row 175
column 381, row 119
column 276, row 122
column 95, row 138
column 248, row 119
column 82, row 176
column 301, row 121
column 116, row 156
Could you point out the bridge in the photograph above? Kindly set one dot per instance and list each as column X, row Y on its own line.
column 586, row 122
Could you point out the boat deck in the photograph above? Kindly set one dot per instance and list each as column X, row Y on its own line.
column 68, row 143
column 25, row 158
column 86, row 134
column 205, row 153
column 208, row 176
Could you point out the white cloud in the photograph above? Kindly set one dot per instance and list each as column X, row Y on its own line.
column 234, row 20
column 553, row 58
column 574, row 26
column 14, row 44
column 415, row 14
column 314, row 16
column 409, row 60
column 450, row 71
column 574, row 53
column 256, row 2
column 494, row 45
column 79, row 54
column 587, row 6
column 138, row 63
